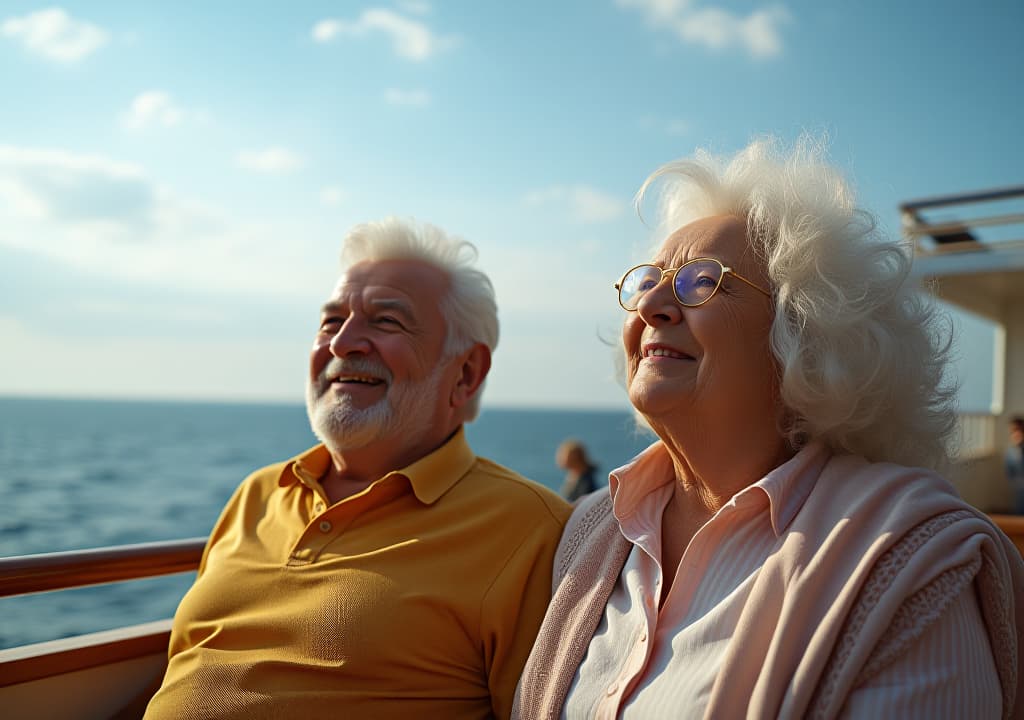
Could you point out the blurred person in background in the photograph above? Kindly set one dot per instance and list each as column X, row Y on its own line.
column 1014, row 463
column 786, row 548
column 579, row 470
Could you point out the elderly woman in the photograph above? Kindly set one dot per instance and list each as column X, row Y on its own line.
column 781, row 550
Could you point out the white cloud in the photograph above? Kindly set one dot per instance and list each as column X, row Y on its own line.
column 416, row 7
column 407, row 98
column 657, row 10
column 584, row 204
column 54, row 34
column 153, row 108
column 111, row 219
column 333, row 195
column 410, row 38
column 270, row 160
column 55, row 185
column 759, row 33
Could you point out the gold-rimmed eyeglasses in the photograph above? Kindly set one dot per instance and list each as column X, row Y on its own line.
column 693, row 283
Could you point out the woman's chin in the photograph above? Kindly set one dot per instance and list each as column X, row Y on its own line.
column 652, row 405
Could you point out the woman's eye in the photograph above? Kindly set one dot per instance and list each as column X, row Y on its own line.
column 646, row 285
column 705, row 281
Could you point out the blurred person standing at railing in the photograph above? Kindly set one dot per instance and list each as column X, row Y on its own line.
column 1014, row 463
column 579, row 470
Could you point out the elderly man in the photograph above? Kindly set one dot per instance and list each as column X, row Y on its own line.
column 388, row 572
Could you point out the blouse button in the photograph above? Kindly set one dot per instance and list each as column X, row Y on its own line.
column 614, row 688
column 319, row 507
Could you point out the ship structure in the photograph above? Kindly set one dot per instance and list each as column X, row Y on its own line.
column 969, row 252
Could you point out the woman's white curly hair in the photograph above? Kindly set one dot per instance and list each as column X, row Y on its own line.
column 861, row 353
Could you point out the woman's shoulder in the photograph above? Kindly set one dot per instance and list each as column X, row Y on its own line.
column 852, row 478
column 589, row 529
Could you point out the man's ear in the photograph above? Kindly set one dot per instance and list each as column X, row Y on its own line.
column 476, row 363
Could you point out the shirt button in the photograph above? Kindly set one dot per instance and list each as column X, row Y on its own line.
column 614, row 688
column 643, row 636
column 325, row 526
column 319, row 507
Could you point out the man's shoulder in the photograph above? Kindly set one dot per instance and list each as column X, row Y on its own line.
column 268, row 474
column 265, row 480
column 310, row 462
column 517, row 492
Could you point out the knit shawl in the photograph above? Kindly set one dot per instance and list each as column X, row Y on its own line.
column 886, row 549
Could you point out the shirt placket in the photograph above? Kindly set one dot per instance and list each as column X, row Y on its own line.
column 645, row 598
column 329, row 523
column 694, row 564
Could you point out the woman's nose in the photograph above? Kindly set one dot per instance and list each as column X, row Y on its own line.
column 659, row 305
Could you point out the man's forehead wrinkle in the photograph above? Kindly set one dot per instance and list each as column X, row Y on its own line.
column 390, row 304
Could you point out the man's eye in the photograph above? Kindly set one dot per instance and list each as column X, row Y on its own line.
column 330, row 324
column 388, row 320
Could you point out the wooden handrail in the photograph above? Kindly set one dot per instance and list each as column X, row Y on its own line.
column 75, row 568
column 1013, row 526
column 56, row 657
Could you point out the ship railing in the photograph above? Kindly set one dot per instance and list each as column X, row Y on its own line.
column 104, row 674
column 961, row 235
column 112, row 674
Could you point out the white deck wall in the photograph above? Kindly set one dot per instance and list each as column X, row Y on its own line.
column 981, row 478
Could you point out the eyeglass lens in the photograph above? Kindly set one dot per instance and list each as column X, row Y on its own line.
column 695, row 283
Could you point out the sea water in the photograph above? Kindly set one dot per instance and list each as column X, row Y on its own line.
column 86, row 473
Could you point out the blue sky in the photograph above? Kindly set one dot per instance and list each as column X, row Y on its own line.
column 175, row 178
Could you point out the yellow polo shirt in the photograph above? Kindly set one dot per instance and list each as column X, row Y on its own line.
column 417, row 598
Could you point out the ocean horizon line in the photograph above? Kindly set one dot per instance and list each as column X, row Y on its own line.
column 273, row 402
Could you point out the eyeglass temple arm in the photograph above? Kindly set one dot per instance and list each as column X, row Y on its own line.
column 748, row 282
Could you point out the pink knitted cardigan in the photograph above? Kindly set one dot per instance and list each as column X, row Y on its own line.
column 885, row 549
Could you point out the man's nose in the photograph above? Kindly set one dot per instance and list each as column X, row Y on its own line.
column 350, row 339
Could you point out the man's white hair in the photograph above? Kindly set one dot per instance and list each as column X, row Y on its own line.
column 861, row 353
column 469, row 307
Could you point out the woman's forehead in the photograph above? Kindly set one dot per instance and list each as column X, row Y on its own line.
column 720, row 236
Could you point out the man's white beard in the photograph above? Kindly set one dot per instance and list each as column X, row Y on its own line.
column 404, row 413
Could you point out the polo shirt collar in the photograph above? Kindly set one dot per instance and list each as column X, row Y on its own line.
column 306, row 468
column 433, row 475
column 430, row 477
